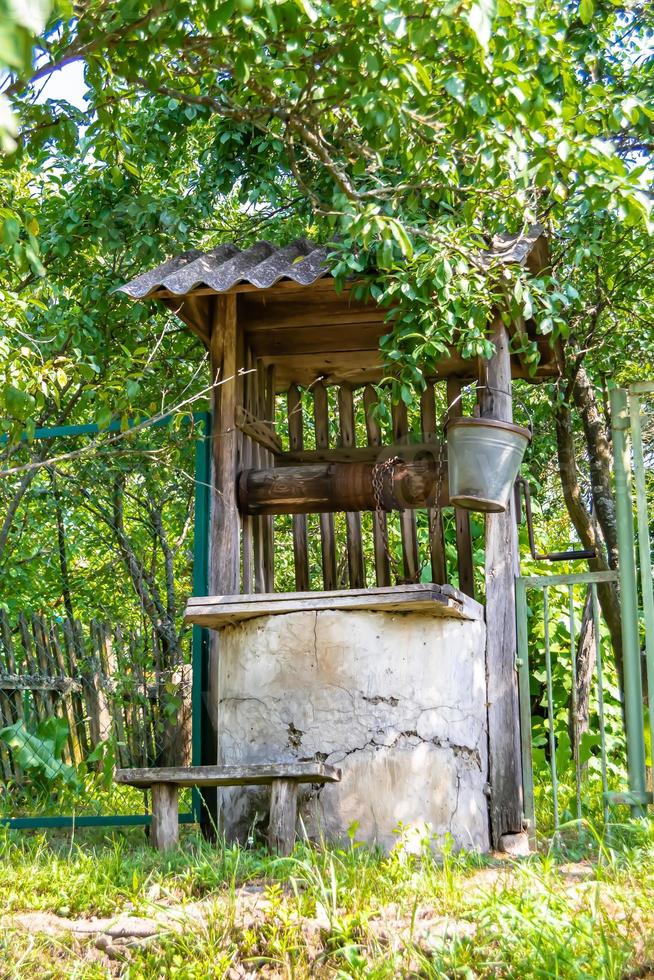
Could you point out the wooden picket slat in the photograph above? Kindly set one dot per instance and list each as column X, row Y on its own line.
column 269, row 539
column 296, row 442
column 110, row 642
column 356, row 571
column 79, row 705
column 328, row 543
column 264, row 558
column 66, row 698
column 10, row 662
column 257, row 461
column 29, row 662
column 379, row 521
column 434, row 516
column 44, row 666
column 245, row 455
column 6, row 710
column 461, row 517
column 410, row 557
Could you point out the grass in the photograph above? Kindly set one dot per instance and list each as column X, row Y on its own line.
column 578, row 909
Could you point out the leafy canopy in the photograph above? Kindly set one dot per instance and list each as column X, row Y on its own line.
column 406, row 133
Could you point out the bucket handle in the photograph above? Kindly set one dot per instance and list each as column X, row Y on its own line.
column 473, row 386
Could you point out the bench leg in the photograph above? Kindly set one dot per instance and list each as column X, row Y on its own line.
column 283, row 816
column 164, row 830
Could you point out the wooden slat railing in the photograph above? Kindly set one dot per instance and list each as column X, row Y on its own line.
column 343, row 543
column 106, row 685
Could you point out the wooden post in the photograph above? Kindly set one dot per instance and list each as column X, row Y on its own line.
column 224, row 571
column 164, row 830
column 502, row 567
column 283, row 816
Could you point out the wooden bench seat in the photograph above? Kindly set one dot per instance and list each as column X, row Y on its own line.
column 283, row 777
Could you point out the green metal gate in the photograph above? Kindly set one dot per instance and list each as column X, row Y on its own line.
column 629, row 453
column 550, row 605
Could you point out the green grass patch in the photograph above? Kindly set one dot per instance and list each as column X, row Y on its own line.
column 581, row 908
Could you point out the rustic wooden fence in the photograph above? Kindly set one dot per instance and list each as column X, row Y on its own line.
column 323, row 424
column 107, row 685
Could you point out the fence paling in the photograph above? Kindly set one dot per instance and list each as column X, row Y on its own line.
column 644, row 548
column 628, row 599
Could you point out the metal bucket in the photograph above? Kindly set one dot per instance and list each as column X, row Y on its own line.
column 483, row 459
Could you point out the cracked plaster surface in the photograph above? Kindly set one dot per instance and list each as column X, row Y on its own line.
column 397, row 701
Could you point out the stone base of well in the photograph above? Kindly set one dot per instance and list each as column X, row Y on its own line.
column 396, row 700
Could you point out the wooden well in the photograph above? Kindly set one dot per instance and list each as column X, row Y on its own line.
column 293, row 363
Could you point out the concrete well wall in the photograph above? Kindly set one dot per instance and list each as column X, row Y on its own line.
column 396, row 700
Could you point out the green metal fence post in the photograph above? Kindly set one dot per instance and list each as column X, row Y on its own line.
column 200, row 647
column 528, row 804
column 644, row 551
column 633, row 693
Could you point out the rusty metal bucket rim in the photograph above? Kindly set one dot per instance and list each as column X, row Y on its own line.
column 463, row 420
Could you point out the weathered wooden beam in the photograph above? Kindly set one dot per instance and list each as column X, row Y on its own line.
column 356, row 570
column 502, row 567
column 380, row 523
column 259, row 774
column 434, row 600
column 355, row 454
column 436, row 536
column 224, row 543
column 260, row 431
column 408, row 524
column 300, row 541
column 283, row 816
column 164, row 829
column 35, row 682
column 224, row 550
column 334, row 487
column 327, row 537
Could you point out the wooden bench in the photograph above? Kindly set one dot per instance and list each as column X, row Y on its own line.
column 283, row 778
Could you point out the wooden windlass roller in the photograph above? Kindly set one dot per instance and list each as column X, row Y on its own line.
column 333, row 487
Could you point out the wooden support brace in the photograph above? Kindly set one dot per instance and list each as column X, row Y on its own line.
column 164, row 830
column 260, row 431
column 283, row 816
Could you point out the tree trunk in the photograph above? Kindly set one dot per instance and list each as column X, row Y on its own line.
column 599, row 459
column 587, row 528
column 61, row 544
column 585, row 662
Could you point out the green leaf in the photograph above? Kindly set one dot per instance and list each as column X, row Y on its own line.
column 19, row 404
column 586, row 10
column 308, row 9
column 40, row 751
column 104, row 417
column 480, row 19
column 10, row 231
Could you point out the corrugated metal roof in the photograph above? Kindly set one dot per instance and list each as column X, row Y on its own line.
column 261, row 265
column 512, row 249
